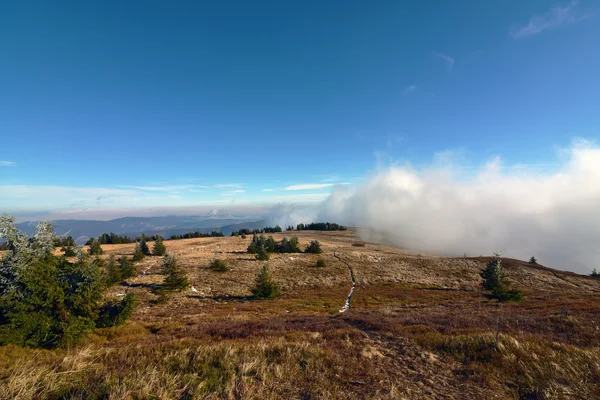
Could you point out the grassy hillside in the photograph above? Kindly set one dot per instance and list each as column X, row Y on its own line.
column 419, row 327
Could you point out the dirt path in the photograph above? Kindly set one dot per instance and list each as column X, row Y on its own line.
column 347, row 305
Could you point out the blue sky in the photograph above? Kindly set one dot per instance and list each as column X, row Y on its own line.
column 108, row 104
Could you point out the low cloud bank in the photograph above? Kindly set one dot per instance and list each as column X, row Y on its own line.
column 554, row 217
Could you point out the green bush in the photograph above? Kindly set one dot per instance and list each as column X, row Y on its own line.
column 144, row 247
column 95, row 248
column 265, row 288
column 314, row 247
column 494, row 281
column 532, row 260
column 218, row 265
column 320, row 263
column 159, row 248
column 176, row 279
column 138, row 253
column 262, row 254
column 113, row 272
column 116, row 312
column 127, row 268
column 68, row 251
column 45, row 301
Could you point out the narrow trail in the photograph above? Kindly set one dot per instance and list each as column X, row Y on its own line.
column 347, row 305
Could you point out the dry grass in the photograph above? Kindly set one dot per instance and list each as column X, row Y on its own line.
column 418, row 328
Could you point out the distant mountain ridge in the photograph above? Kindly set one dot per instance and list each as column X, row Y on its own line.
column 82, row 230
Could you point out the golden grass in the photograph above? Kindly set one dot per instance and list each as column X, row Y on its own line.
column 418, row 328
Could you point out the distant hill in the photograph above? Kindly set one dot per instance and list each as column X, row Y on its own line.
column 82, row 230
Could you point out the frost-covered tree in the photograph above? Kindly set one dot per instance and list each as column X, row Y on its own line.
column 45, row 301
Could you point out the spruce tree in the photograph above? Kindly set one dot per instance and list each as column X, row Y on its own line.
column 265, row 288
column 314, row 247
column 144, row 246
column 113, row 272
column 95, row 248
column 262, row 254
column 176, row 279
column 138, row 253
column 532, row 260
column 127, row 268
column 159, row 248
column 494, row 281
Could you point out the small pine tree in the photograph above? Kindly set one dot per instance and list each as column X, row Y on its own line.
column 595, row 274
column 116, row 312
column 270, row 244
column 253, row 246
column 494, row 281
column 532, row 260
column 218, row 265
column 127, row 268
column 68, row 251
column 314, row 247
column 113, row 272
column 262, row 254
column 159, row 248
column 265, row 287
column 144, row 247
column 243, row 236
column 320, row 263
column 95, row 248
column 138, row 253
column 176, row 279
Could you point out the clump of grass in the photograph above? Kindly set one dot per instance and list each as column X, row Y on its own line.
column 218, row 265
column 320, row 263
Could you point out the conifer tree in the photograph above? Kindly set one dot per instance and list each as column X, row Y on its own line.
column 144, row 246
column 159, row 248
column 176, row 279
column 138, row 253
column 494, row 281
column 127, row 268
column 113, row 272
column 314, row 247
column 265, row 288
column 95, row 248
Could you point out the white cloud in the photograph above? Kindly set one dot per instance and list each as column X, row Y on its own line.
column 233, row 192
column 553, row 217
column 267, row 190
column 167, row 188
column 309, row 186
column 8, row 164
column 446, row 58
column 228, row 186
column 554, row 18
column 409, row 89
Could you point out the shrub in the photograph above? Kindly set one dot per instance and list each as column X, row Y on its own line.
column 159, row 248
column 218, row 266
column 243, row 236
column 127, row 268
column 532, row 260
column 95, row 248
column 320, row 263
column 45, row 301
column 595, row 274
column 138, row 253
column 262, row 254
column 69, row 251
column 116, row 312
column 314, row 247
column 176, row 279
column 265, row 288
column 113, row 272
column 144, row 247
column 494, row 281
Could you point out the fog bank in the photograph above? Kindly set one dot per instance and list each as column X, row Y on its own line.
column 554, row 217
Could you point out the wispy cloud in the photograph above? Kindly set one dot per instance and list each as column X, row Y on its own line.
column 409, row 89
column 167, row 188
column 554, row 18
column 228, row 186
column 309, row 186
column 267, row 190
column 233, row 192
column 445, row 58
column 8, row 164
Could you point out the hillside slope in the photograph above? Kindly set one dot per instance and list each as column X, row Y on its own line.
column 419, row 327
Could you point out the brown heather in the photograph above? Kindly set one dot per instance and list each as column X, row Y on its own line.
column 419, row 327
